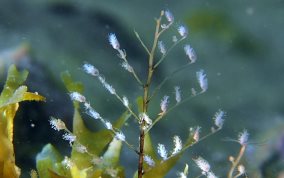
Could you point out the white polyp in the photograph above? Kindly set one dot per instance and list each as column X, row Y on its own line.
column 127, row 67
column 162, row 47
column 162, row 151
column 202, row 164
column 120, row 136
column 108, row 125
column 178, row 94
column 241, row 169
column 182, row 30
column 113, row 41
column 202, row 80
column 93, row 113
column 218, row 118
column 69, row 137
column 189, row 51
column 81, row 148
column 67, row 162
column 57, row 124
column 125, row 101
column 90, row 69
column 169, row 16
column 149, row 160
column 243, row 137
column 196, row 133
column 177, row 145
column 164, row 103
column 75, row 96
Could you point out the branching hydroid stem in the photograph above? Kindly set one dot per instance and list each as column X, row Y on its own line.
column 102, row 81
column 196, row 142
column 85, row 149
column 122, row 55
column 90, row 111
column 236, row 161
column 77, row 142
column 151, row 62
column 142, row 43
column 146, row 94
column 137, row 78
column 128, row 108
column 167, row 78
column 202, row 138
column 147, row 158
column 160, row 116
column 163, row 29
column 169, row 50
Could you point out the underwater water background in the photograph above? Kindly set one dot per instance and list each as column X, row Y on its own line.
column 238, row 43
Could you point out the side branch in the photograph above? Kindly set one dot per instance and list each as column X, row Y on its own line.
column 169, row 77
column 142, row 43
column 236, row 162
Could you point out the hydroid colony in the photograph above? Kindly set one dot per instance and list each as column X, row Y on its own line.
column 150, row 162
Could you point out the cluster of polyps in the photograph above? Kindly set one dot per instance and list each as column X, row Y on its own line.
column 146, row 123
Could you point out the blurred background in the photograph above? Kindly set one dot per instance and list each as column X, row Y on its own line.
column 238, row 43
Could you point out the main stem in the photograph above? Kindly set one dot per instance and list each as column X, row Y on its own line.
column 146, row 100
column 236, row 162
